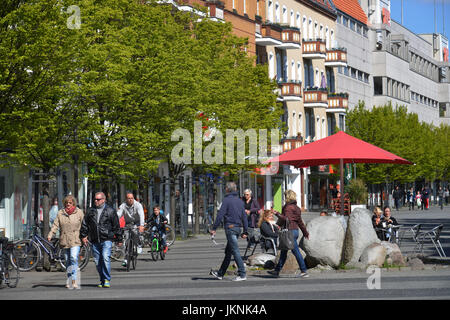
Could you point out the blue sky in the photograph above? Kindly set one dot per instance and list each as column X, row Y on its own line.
column 418, row 15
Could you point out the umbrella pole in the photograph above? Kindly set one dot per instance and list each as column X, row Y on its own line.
column 341, row 167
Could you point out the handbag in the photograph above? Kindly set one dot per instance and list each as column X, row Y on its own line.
column 286, row 238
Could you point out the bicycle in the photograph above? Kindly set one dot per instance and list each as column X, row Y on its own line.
column 9, row 274
column 170, row 235
column 27, row 253
column 131, row 248
column 155, row 245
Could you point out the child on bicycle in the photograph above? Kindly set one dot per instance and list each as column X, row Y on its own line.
column 157, row 223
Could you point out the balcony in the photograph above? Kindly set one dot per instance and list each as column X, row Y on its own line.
column 336, row 58
column 314, row 49
column 337, row 102
column 315, row 98
column 290, row 91
column 291, row 143
column 290, row 38
column 270, row 35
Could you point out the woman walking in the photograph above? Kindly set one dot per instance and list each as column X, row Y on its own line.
column 68, row 222
column 292, row 213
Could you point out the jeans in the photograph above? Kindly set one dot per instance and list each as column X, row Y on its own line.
column 102, row 258
column 232, row 249
column 162, row 234
column 295, row 251
column 71, row 256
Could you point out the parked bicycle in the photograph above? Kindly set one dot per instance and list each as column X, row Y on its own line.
column 27, row 253
column 9, row 274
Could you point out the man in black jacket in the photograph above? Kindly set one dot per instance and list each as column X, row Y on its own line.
column 233, row 215
column 101, row 226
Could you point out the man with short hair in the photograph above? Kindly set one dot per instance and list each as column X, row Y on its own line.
column 133, row 213
column 233, row 215
column 101, row 226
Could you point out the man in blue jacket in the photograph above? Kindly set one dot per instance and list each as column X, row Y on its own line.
column 233, row 215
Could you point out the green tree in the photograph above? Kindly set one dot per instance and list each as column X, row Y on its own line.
column 400, row 132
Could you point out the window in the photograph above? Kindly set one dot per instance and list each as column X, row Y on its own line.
column 345, row 21
column 285, row 15
column 270, row 9
column 352, row 25
column 377, row 85
column 277, row 12
column 353, row 73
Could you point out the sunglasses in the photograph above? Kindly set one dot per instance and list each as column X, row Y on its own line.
column 98, row 199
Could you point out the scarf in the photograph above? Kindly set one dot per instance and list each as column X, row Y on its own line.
column 70, row 211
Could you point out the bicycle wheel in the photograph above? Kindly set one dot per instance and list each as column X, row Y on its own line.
column 170, row 235
column 12, row 274
column 134, row 256
column 83, row 257
column 117, row 253
column 162, row 254
column 129, row 253
column 154, row 249
column 26, row 255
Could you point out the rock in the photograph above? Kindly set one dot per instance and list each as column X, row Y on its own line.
column 360, row 234
column 374, row 254
column 261, row 259
column 326, row 240
column 416, row 264
column 393, row 254
column 291, row 265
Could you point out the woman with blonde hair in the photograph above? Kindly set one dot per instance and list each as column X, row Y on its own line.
column 268, row 227
column 68, row 222
column 292, row 213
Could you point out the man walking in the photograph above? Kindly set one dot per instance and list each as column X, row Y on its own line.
column 101, row 226
column 233, row 215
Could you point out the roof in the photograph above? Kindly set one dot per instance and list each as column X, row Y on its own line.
column 352, row 8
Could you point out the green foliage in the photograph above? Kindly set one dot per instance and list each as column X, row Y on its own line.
column 357, row 191
column 400, row 132
column 113, row 91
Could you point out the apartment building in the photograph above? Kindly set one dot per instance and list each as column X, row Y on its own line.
column 389, row 63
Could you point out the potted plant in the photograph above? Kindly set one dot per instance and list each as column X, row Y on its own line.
column 357, row 191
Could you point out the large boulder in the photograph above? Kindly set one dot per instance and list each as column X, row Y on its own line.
column 326, row 240
column 360, row 234
column 291, row 265
column 374, row 254
column 393, row 254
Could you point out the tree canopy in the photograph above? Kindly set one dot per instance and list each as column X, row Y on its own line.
column 112, row 89
column 400, row 132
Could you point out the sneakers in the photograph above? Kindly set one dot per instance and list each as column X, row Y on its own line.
column 105, row 284
column 165, row 249
column 124, row 263
column 240, row 278
column 303, row 275
column 139, row 250
column 274, row 273
column 215, row 274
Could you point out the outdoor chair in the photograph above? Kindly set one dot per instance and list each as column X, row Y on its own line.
column 431, row 236
column 252, row 241
column 264, row 240
column 414, row 230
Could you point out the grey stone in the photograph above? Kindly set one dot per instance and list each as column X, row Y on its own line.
column 326, row 240
column 360, row 234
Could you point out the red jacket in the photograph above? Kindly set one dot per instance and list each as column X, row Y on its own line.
column 294, row 214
